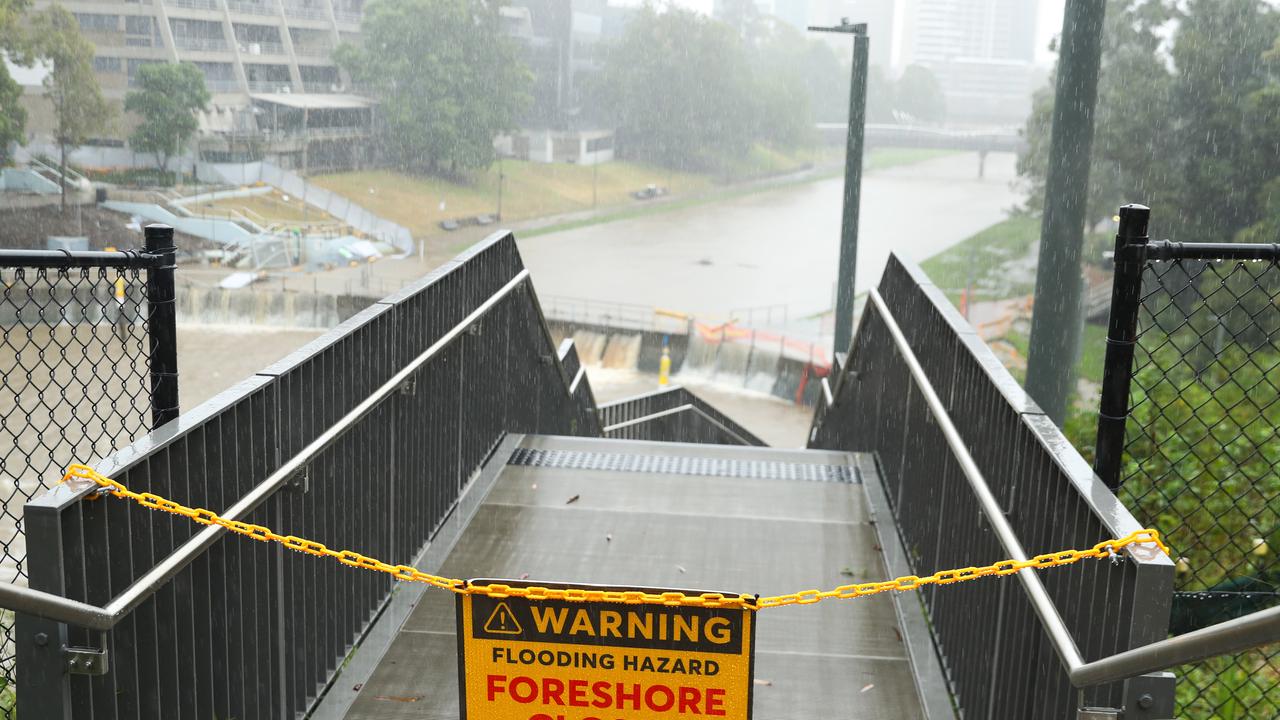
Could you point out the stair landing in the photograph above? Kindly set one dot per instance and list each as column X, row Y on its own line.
column 631, row 513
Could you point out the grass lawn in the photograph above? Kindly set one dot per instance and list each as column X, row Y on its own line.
column 273, row 207
column 1093, row 350
column 530, row 190
column 533, row 190
column 985, row 255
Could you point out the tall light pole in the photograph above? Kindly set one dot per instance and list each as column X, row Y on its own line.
column 848, row 263
column 501, row 177
column 1055, row 322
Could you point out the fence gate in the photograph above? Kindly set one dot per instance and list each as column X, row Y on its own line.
column 87, row 365
column 1194, row 358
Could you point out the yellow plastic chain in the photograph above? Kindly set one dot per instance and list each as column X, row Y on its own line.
column 1105, row 549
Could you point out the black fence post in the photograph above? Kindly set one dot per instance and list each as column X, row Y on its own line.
column 1122, row 334
column 162, row 325
column 43, row 682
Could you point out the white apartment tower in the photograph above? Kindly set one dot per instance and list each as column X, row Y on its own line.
column 982, row 51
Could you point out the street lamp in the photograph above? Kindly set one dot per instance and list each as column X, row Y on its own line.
column 848, row 263
column 501, row 177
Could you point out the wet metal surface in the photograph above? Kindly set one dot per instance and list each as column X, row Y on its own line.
column 668, row 465
column 753, row 534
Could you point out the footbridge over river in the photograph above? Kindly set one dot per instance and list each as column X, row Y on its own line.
column 442, row 434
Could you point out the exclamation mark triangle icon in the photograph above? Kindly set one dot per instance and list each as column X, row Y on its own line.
column 502, row 621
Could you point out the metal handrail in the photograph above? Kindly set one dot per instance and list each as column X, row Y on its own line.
column 1242, row 633
column 57, row 608
column 1063, row 644
column 673, row 411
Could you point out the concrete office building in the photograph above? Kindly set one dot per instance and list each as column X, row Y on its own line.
column 268, row 64
column 561, row 42
column 982, row 51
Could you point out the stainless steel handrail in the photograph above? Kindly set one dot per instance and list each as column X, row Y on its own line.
column 673, row 411
column 48, row 606
column 577, row 378
column 1063, row 644
column 1242, row 633
column 1250, row 631
column 54, row 607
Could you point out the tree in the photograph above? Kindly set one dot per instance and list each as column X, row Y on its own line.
column 1189, row 125
column 78, row 107
column 1131, row 148
column 168, row 98
column 447, row 78
column 1220, row 67
column 680, row 89
column 919, row 95
column 13, row 117
column 785, row 86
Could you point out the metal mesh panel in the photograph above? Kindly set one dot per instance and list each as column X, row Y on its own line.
column 75, row 369
column 1202, row 459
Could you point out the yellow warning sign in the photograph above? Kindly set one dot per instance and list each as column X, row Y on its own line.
column 521, row 659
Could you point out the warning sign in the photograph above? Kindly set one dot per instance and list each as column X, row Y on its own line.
column 522, row 659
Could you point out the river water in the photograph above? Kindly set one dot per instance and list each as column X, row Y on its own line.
column 777, row 247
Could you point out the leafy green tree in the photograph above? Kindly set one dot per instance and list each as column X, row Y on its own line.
column 11, row 11
column 78, row 106
column 1265, row 103
column 784, row 96
column 919, row 94
column 1187, row 129
column 448, row 80
column 680, row 89
column 1218, row 55
column 13, row 117
column 1131, row 159
column 879, row 95
column 168, row 98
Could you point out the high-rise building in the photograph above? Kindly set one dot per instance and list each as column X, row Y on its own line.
column 267, row 63
column 938, row 30
column 982, row 52
column 561, row 42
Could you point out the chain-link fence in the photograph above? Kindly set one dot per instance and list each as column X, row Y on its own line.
column 78, row 374
column 1201, row 456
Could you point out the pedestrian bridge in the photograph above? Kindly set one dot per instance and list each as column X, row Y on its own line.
column 675, row 515
column 440, row 432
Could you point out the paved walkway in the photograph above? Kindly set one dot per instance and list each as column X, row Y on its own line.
column 748, row 531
